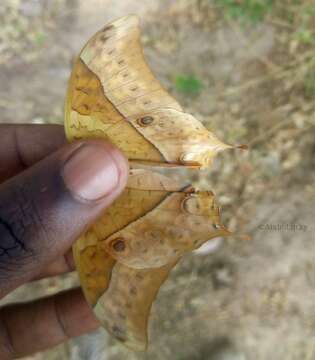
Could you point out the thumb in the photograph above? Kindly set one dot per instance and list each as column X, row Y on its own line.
column 45, row 208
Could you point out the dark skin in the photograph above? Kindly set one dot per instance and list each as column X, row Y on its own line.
column 42, row 212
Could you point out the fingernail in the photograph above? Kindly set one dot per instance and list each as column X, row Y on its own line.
column 91, row 172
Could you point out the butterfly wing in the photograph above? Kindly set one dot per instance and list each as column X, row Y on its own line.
column 89, row 114
column 94, row 266
column 126, row 78
column 114, row 94
column 135, row 243
column 180, row 223
column 125, row 256
column 93, row 262
column 124, row 308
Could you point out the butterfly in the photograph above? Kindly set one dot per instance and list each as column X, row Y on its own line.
column 126, row 255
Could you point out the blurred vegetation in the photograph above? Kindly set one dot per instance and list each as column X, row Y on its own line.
column 246, row 11
column 188, row 84
column 309, row 83
column 297, row 20
column 24, row 28
column 305, row 30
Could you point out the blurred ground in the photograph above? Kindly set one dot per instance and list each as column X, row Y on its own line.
column 247, row 70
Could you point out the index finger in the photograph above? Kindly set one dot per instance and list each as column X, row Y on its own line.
column 23, row 145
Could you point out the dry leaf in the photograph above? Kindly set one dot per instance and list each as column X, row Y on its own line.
column 125, row 256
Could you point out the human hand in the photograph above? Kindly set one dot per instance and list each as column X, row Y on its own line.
column 49, row 193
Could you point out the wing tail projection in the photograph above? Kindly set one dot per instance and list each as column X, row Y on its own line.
column 124, row 308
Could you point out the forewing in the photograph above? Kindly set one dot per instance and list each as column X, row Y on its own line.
column 89, row 114
column 115, row 56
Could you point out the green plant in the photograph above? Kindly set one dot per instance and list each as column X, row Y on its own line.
column 305, row 31
column 188, row 84
column 39, row 37
column 246, row 11
column 309, row 83
column 304, row 36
